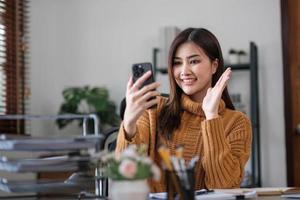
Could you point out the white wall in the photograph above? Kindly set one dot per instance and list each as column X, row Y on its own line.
column 80, row 42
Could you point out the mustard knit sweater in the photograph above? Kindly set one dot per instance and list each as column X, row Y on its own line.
column 223, row 144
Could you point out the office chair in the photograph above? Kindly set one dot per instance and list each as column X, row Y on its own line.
column 111, row 135
column 110, row 139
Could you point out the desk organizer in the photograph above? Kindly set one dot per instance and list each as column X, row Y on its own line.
column 73, row 157
column 63, row 154
column 180, row 183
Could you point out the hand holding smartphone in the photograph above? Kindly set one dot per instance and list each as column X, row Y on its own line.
column 138, row 97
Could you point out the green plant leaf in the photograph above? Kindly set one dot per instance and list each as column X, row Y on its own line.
column 97, row 101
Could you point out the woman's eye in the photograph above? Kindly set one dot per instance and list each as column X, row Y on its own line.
column 194, row 61
column 175, row 63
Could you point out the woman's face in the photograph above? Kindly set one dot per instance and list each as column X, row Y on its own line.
column 193, row 70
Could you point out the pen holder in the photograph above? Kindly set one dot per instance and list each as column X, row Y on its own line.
column 180, row 183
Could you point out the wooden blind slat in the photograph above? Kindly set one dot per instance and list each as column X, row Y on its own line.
column 13, row 59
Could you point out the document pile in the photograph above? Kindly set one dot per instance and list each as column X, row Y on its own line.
column 58, row 155
column 292, row 193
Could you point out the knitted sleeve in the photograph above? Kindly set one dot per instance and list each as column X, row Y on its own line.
column 146, row 129
column 141, row 136
column 225, row 151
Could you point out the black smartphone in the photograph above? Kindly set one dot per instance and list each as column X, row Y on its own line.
column 139, row 69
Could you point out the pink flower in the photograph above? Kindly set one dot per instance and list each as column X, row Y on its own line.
column 128, row 168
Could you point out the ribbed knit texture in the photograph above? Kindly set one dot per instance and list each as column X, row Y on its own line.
column 223, row 144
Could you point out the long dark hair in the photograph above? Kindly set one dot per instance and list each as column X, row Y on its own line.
column 169, row 117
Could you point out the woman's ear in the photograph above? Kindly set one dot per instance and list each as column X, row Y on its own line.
column 215, row 64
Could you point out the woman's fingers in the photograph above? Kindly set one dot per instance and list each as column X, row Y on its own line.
column 223, row 80
column 139, row 82
column 150, row 103
column 208, row 90
column 219, row 87
column 129, row 83
column 149, row 95
column 226, row 80
column 147, row 88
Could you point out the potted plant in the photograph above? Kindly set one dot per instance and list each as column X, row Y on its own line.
column 87, row 100
column 242, row 56
column 233, row 56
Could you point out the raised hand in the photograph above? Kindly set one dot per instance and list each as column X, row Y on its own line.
column 213, row 96
column 137, row 101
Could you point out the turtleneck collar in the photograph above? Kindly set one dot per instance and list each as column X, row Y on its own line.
column 195, row 107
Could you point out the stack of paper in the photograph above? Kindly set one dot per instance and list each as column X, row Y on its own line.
column 47, row 144
column 217, row 195
column 49, row 164
column 41, row 186
column 71, row 154
column 263, row 191
column 292, row 193
column 227, row 195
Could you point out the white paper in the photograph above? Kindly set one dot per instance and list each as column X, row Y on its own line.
column 211, row 195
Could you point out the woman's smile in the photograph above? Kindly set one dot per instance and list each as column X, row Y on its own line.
column 188, row 81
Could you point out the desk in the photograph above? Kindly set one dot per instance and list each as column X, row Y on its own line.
column 273, row 194
column 59, row 198
column 50, row 198
column 69, row 198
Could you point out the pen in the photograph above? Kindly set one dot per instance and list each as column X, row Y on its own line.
column 184, row 173
column 240, row 196
column 203, row 191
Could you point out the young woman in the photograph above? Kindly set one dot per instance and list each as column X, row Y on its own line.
column 198, row 114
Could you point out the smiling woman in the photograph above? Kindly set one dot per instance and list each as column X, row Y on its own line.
column 198, row 115
column 13, row 76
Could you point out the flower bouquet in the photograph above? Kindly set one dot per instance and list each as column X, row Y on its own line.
column 129, row 172
column 131, row 164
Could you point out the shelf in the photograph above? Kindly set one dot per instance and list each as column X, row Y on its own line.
column 161, row 70
column 245, row 66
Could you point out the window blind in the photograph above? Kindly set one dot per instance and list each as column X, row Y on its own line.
column 13, row 54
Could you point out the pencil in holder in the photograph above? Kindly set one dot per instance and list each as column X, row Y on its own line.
column 180, row 183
